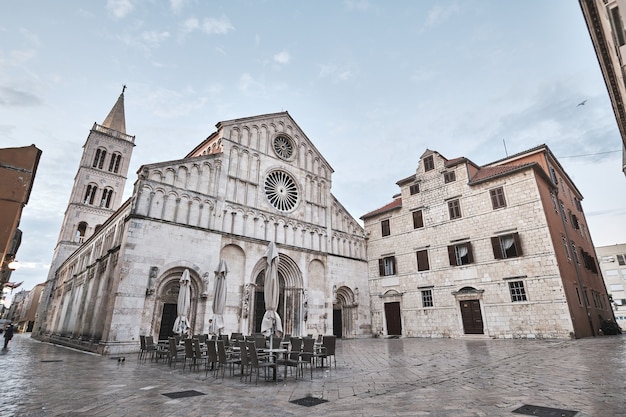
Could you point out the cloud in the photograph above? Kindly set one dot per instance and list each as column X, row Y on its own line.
column 154, row 38
column 10, row 96
column 119, row 8
column 358, row 5
column 438, row 14
column 191, row 24
column 173, row 104
column 219, row 26
column 282, row 57
column 247, row 83
column 177, row 5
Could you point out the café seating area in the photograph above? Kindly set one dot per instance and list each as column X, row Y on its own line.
column 249, row 357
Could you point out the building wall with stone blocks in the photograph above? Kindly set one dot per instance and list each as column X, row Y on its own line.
column 512, row 280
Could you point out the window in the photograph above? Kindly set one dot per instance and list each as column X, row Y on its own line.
column 574, row 253
column 80, row 232
column 429, row 163
column 497, row 198
column 556, row 208
column 422, row 260
column 621, row 260
column 460, row 254
column 589, row 261
column 114, row 165
column 574, row 220
column 454, row 208
column 518, row 293
column 106, row 198
column 616, row 23
column 563, row 211
column 427, row 298
column 506, row 246
column 387, row 266
column 98, row 160
column 90, row 194
column 414, row 188
column 565, row 246
column 579, row 206
column 384, row 225
column 449, row 176
column 418, row 219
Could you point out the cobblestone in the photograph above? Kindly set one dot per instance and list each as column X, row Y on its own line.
column 374, row 377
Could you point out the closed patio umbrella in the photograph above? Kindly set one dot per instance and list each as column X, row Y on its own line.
column 271, row 323
column 219, row 297
column 181, row 324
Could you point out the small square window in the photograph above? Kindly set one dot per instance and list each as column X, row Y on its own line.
column 454, row 208
column 497, row 198
column 518, row 293
column 418, row 219
column 506, row 246
column 427, row 298
column 460, row 254
column 621, row 260
column 414, row 188
column 429, row 163
column 387, row 266
column 385, row 230
column 449, row 176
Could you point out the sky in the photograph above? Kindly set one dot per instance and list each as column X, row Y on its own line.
column 372, row 84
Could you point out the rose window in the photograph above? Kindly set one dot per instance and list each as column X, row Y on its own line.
column 283, row 146
column 281, row 190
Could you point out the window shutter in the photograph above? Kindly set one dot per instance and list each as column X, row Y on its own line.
column 497, row 249
column 470, row 256
column 518, row 244
column 452, row 255
column 381, row 267
column 418, row 220
column 422, row 260
column 393, row 263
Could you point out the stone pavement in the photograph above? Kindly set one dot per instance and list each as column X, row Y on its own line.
column 374, row 377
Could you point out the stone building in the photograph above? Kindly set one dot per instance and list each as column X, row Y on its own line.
column 253, row 181
column 500, row 250
column 613, row 266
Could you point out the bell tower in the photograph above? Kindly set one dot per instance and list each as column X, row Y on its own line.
column 98, row 184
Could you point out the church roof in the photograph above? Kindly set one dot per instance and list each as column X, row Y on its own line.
column 116, row 119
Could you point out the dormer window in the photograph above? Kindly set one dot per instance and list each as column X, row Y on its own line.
column 449, row 176
column 429, row 163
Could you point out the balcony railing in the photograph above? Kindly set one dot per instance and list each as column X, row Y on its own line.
column 113, row 133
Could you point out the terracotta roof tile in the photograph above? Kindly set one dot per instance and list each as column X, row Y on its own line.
column 397, row 203
column 485, row 173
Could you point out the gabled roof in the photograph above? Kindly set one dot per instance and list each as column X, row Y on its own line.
column 397, row 203
column 116, row 119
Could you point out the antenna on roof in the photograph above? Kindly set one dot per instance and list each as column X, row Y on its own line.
column 505, row 151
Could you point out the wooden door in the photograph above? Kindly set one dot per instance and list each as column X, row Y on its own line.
column 168, row 317
column 337, row 323
column 392, row 316
column 472, row 317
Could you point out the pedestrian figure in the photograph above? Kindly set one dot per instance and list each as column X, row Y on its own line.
column 8, row 335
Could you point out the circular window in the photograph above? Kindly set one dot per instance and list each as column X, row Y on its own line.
column 283, row 146
column 281, row 190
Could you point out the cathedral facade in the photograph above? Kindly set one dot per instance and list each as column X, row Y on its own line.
column 253, row 181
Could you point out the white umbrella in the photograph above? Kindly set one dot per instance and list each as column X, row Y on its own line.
column 181, row 324
column 219, row 297
column 271, row 323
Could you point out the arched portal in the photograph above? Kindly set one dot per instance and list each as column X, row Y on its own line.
column 165, row 308
column 290, row 305
column 345, row 312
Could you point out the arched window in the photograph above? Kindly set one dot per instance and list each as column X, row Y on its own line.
column 98, row 160
column 90, row 194
column 80, row 232
column 107, row 193
column 114, row 165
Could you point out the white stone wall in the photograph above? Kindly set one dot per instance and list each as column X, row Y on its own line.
column 544, row 314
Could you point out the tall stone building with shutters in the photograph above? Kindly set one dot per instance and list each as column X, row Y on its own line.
column 500, row 250
column 253, row 181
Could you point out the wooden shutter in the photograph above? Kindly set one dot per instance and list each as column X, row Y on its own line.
column 497, row 249
column 418, row 220
column 422, row 260
column 452, row 255
column 381, row 267
column 518, row 244
column 470, row 255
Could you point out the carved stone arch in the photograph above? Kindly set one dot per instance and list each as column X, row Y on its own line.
column 291, row 308
column 235, row 134
column 245, row 136
column 169, row 176
column 156, row 175
column 165, row 306
column 182, row 175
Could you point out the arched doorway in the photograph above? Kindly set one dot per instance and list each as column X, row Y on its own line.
column 344, row 312
column 166, row 306
column 291, row 298
column 169, row 310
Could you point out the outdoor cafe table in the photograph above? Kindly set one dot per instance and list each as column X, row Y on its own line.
column 277, row 352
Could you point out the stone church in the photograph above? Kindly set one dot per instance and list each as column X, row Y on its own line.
column 116, row 267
